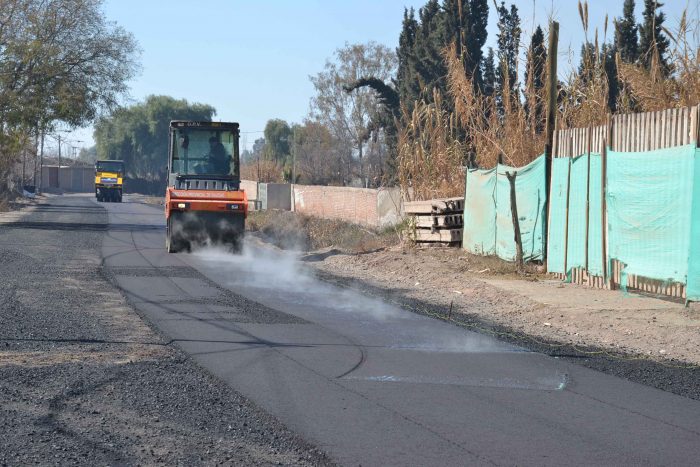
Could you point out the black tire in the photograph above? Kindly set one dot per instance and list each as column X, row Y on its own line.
column 235, row 246
column 173, row 242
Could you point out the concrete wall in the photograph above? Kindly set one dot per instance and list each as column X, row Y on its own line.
column 389, row 207
column 279, row 196
column 251, row 189
column 262, row 196
column 73, row 179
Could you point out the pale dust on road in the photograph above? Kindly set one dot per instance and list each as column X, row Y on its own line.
column 660, row 329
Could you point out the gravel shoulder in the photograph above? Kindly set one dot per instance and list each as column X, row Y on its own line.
column 84, row 380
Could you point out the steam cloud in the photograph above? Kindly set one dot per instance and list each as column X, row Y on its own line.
column 277, row 278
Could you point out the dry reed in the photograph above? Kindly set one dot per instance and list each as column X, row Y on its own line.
column 434, row 143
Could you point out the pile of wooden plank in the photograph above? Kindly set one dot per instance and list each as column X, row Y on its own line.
column 436, row 222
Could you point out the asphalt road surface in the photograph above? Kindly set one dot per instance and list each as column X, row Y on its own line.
column 85, row 381
column 371, row 384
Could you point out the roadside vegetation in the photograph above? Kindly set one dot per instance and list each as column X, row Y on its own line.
column 292, row 231
column 62, row 63
column 483, row 112
column 444, row 102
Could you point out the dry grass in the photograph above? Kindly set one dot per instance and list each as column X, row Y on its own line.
column 432, row 148
column 289, row 230
column 264, row 170
column 648, row 90
column 430, row 155
column 435, row 144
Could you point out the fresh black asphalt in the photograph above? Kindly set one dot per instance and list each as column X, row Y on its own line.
column 372, row 384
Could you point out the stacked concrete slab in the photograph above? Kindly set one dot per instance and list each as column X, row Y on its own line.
column 436, row 222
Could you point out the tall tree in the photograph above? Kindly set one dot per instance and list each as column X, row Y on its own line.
column 430, row 66
column 535, row 79
column 626, row 40
column 508, row 46
column 476, row 37
column 406, row 81
column 465, row 23
column 653, row 44
column 61, row 61
column 610, row 66
column 278, row 139
column 349, row 115
column 489, row 73
column 313, row 148
column 138, row 134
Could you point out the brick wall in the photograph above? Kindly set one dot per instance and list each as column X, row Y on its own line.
column 357, row 205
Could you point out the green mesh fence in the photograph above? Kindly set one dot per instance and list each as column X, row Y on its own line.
column 488, row 225
column 479, row 235
column 650, row 200
column 584, row 215
column 653, row 215
column 693, row 284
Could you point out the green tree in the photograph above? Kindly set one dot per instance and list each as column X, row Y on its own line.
column 508, row 47
column 430, row 67
column 88, row 156
column 610, row 65
column 653, row 44
column 626, row 40
column 258, row 148
column 61, row 61
column 464, row 23
column 535, row 69
column 406, row 81
column 489, row 73
column 278, row 136
column 138, row 134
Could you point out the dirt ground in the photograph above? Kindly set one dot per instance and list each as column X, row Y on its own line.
column 533, row 303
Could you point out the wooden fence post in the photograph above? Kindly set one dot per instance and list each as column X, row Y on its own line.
column 566, row 213
column 516, row 221
column 588, row 190
column 552, row 83
column 603, row 204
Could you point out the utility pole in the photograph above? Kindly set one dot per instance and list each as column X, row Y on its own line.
column 36, row 155
column 41, row 163
column 294, row 157
column 59, row 161
column 24, row 163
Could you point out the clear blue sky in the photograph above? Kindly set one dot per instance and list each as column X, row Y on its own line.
column 252, row 60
